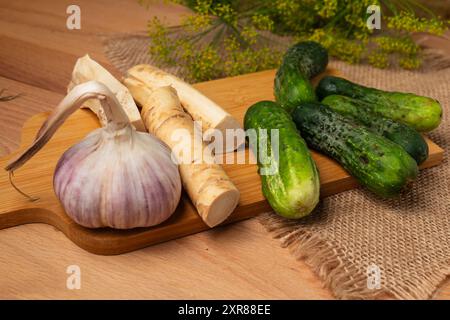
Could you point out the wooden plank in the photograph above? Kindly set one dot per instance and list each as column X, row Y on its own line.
column 14, row 113
column 36, row 176
column 238, row 261
column 44, row 23
column 46, row 68
column 38, row 49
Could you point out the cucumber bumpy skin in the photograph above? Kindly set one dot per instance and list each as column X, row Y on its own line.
column 422, row 113
column 293, row 191
column 309, row 57
column 405, row 136
column 301, row 62
column 376, row 162
column 292, row 87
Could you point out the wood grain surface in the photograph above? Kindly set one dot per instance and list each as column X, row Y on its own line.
column 34, row 257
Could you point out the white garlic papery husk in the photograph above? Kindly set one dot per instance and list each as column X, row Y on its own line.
column 115, row 177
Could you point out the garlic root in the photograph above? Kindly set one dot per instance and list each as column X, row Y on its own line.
column 31, row 198
column 200, row 107
column 211, row 191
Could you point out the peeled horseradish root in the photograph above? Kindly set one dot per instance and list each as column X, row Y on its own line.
column 116, row 177
column 87, row 69
column 201, row 108
column 210, row 189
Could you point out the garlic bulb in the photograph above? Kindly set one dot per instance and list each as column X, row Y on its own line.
column 116, row 177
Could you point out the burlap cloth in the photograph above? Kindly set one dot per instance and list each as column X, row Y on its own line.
column 407, row 238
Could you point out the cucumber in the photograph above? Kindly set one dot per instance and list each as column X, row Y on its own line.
column 301, row 62
column 293, row 189
column 405, row 136
column 376, row 162
column 292, row 88
column 422, row 113
column 309, row 57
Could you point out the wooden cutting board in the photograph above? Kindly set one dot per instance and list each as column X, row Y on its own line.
column 35, row 178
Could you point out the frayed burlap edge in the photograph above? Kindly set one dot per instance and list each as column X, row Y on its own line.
column 342, row 279
column 321, row 256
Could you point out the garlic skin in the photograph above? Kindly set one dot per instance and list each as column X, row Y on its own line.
column 120, row 179
column 115, row 177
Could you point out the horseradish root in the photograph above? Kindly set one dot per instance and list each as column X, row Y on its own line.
column 115, row 177
column 200, row 107
column 207, row 184
column 87, row 69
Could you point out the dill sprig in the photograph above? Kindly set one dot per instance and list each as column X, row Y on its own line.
column 231, row 37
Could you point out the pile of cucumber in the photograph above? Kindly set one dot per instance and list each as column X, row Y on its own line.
column 374, row 134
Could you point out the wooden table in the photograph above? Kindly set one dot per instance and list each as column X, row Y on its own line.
column 236, row 261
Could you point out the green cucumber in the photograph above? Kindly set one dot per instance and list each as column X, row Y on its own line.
column 301, row 62
column 421, row 113
column 293, row 189
column 309, row 57
column 405, row 136
column 376, row 162
column 292, row 88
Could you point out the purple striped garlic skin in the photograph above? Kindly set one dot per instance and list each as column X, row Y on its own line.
column 118, row 178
